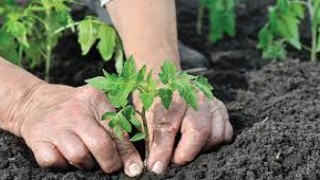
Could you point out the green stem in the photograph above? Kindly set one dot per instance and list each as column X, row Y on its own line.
column 48, row 63
column 65, row 27
column 199, row 20
column 145, row 131
column 48, row 51
column 20, row 56
column 314, row 35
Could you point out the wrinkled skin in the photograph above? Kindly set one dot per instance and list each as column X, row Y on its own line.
column 200, row 130
column 62, row 127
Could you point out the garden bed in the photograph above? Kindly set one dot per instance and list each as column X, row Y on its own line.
column 274, row 108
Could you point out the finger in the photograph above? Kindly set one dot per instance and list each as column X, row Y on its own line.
column 74, row 150
column 131, row 160
column 195, row 131
column 100, row 145
column 48, row 156
column 228, row 135
column 163, row 131
column 219, row 118
column 133, row 165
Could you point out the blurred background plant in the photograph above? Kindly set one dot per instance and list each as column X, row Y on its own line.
column 31, row 29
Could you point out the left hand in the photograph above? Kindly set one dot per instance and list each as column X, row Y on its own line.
column 200, row 130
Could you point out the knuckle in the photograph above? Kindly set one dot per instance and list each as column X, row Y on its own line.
column 199, row 134
column 47, row 161
column 125, row 148
column 101, row 141
column 166, row 127
column 92, row 92
column 78, row 155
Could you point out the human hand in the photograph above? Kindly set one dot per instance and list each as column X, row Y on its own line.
column 200, row 131
column 62, row 127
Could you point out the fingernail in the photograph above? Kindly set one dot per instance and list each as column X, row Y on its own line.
column 135, row 169
column 158, row 167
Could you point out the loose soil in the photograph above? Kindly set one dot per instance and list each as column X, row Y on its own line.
column 274, row 108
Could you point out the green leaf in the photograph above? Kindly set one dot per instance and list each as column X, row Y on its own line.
column 112, row 123
column 187, row 92
column 204, row 86
column 222, row 18
column 166, row 97
column 128, row 111
column 108, row 115
column 141, row 75
column 118, row 99
column 101, row 83
column 129, row 69
column 168, row 72
column 151, row 84
column 87, row 35
column 136, row 123
column 147, row 99
column 125, row 124
column 119, row 58
column 107, row 43
column 118, row 131
column 138, row 137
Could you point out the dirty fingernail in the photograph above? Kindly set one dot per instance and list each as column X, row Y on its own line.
column 135, row 170
column 158, row 167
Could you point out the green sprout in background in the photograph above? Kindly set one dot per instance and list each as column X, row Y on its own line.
column 118, row 88
column 32, row 31
column 222, row 18
column 283, row 27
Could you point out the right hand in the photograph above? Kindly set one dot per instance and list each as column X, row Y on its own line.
column 62, row 127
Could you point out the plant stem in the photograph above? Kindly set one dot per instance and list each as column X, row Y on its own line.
column 48, row 53
column 314, row 35
column 20, row 55
column 145, row 131
column 199, row 20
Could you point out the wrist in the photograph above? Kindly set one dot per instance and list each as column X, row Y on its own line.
column 21, row 106
column 153, row 54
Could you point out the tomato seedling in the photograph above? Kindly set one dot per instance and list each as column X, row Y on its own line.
column 118, row 88
column 221, row 16
column 32, row 31
column 283, row 27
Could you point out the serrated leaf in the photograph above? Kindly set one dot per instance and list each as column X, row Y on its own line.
column 100, row 82
column 138, row 137
column 118, row 99
column 125, row 124
column 168, row 72
column 187, row 92
column 87, row 35
column 108, row 115
column 141, row 75
column 166, row 97
column 129, row 68
column 147, row 99
column 107, row 43
column 204, row 86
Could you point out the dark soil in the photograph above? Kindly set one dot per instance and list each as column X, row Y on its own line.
column 274, row 108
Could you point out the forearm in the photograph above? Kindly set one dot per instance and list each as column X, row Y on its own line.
column 16, row 88
column 148, row 30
